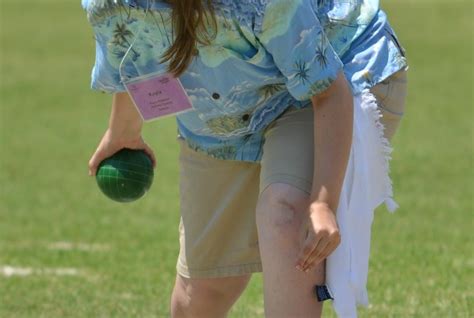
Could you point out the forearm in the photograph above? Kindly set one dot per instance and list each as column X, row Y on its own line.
column 124, row 118
column 125, row 125
column 333, row 121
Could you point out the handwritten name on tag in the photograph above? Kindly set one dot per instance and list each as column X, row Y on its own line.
column 158, row 96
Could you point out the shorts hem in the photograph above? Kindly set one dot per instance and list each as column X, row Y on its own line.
column 297, row 182
column 224, row 271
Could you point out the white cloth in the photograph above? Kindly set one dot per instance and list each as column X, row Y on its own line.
column 366, row 185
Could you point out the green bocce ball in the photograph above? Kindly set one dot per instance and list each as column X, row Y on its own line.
column 126, row 176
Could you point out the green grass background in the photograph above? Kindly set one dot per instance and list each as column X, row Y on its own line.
column 422, row 257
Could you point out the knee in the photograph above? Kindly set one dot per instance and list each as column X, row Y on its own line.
column 280, row 211
column 206, row 297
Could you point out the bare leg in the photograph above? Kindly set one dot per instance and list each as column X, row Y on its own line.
column 206, row 298
column 288, row 292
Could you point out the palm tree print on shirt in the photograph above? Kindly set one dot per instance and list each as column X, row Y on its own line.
column 223, row 125
column 121, row 34
column 269, row 90
column 123, row 15
column 302, row 71
column 321, row 56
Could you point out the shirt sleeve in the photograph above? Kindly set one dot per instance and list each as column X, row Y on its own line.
column 291, row 32
column 131, row 36
column 105, row 73
column 112, row 39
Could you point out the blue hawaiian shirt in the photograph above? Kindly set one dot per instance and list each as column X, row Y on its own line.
column 267, row 55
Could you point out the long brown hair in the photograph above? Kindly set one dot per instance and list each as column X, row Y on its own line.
column 194, row 22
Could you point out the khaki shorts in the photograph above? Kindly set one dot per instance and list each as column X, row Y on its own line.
column 218, row 232
column 391, row 96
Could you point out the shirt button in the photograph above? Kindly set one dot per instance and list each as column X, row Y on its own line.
column 216, row 96
column 245, row 117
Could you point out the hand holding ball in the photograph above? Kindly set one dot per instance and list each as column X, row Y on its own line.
column 126, row 176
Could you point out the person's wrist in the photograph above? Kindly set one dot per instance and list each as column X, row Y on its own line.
column 317, row 206
column 121, row 134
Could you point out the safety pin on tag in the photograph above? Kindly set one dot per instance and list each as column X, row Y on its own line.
column 158, row 95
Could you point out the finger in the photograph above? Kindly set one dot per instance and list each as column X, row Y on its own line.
column 331, row 248
column 328, row 250
column 308, row 246
column 93, row 164
column 316, row 255
column 151, row 154
column 95, row 160
column 147, row 149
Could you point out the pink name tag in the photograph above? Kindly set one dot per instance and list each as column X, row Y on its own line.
column 158, row 95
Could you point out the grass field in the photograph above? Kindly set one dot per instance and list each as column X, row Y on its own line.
column 84, row 256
